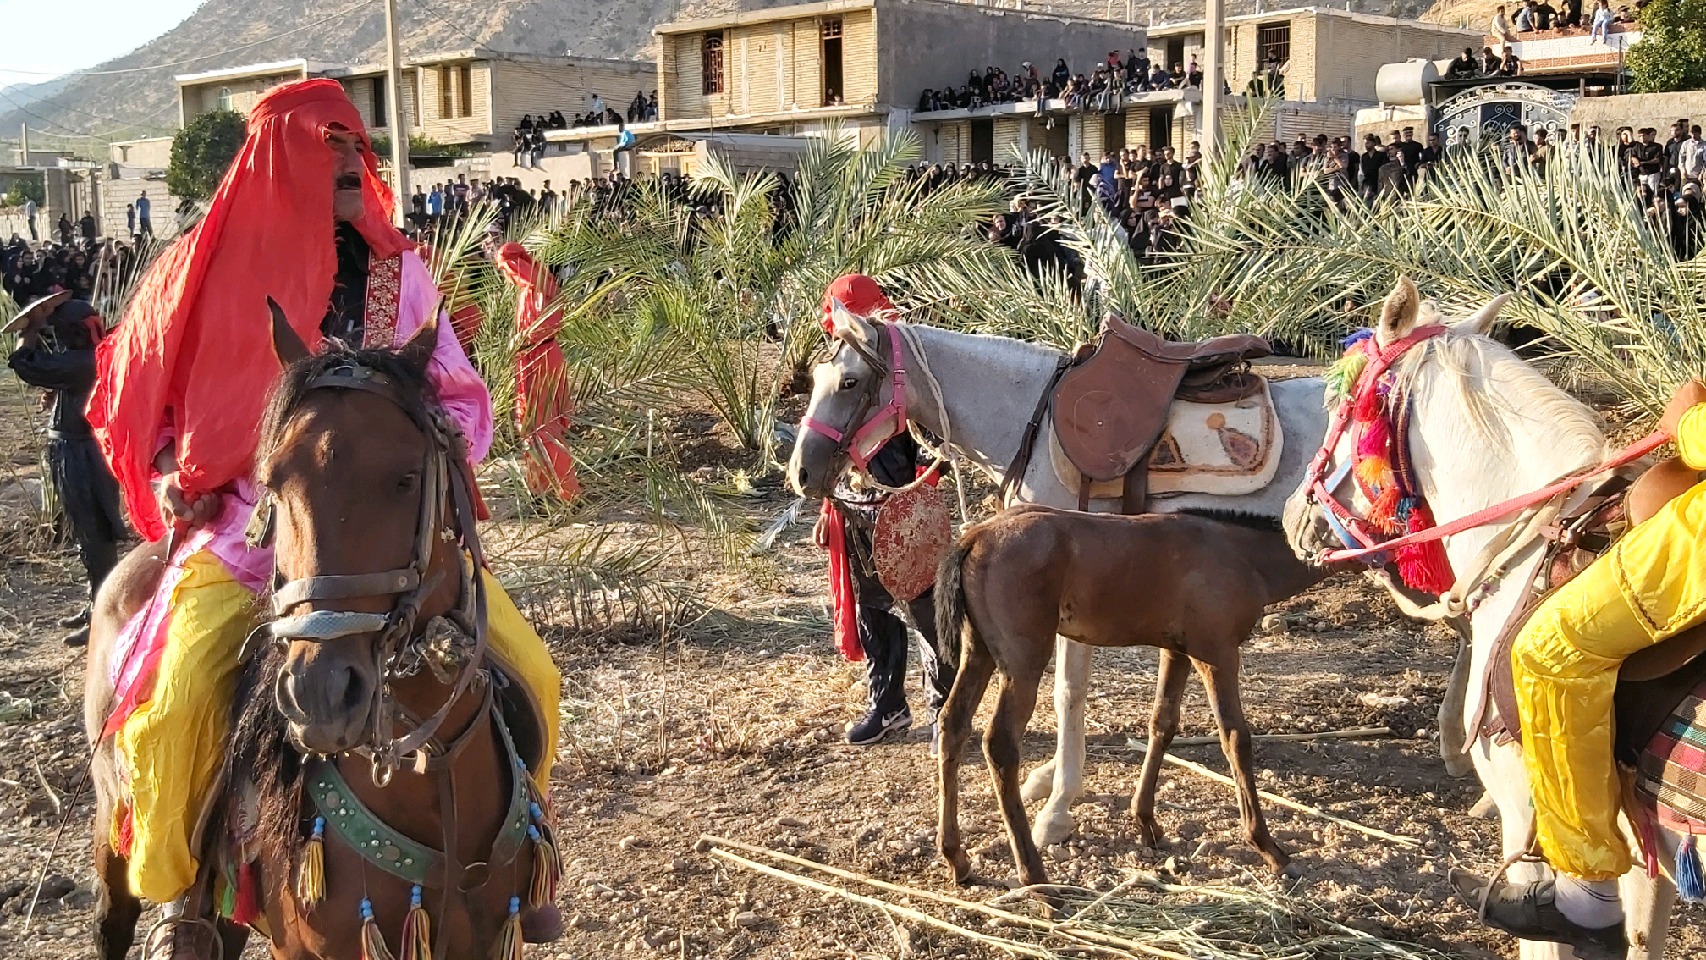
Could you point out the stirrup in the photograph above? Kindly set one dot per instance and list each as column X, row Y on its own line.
column 152, row 943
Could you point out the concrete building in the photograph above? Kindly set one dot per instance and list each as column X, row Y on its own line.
column 237, row 88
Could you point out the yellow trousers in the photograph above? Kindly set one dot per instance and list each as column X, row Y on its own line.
column 1649, row 587
column 172, row 746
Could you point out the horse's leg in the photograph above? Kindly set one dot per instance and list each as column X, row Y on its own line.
column 1039, row 785
column 1220, row 677
column 1071, row 681
column 1174, row 671
column 235, row 937
column 1003, row 748
column 954, row 731
column 117, row 910
column 1647, row 902
column 1453, row 732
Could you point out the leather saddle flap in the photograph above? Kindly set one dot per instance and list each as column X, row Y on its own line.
column 1109, row 410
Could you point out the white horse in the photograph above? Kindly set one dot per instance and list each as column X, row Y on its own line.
column 1485, row 427
column 989, row 389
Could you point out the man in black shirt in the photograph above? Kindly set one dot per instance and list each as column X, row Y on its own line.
column 56, row 353
column 1544, row 13
column 1373, row 158
column 1648, row 159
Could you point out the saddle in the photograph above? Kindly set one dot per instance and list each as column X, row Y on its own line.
column 1651, row 681
column 1110, row 405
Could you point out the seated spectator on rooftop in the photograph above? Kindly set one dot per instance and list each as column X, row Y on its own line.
column 1525, row 17
column 1062, row 74
column 1463, row 66
column 1501, row 25
column 1489, row 62
column 556, row 121
column 1158, row 78
column 1600, row 30
column 1544, row 15
column 1509, row 65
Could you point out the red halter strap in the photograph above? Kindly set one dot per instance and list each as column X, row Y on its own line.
column 863, row 443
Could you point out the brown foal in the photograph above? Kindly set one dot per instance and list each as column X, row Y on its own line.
column 1191, row 586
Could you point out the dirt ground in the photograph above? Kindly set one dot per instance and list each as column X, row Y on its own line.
column 732, row 726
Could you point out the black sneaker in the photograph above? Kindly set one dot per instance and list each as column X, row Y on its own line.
column 78, row 619
column 1530, row 911
column 77, row 638
column 878, row 724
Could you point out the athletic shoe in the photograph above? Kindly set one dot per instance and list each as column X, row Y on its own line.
column 1530, row 911
column 878, row 724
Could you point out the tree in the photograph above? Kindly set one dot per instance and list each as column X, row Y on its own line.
column 202, row 151
column 1672, row 51
column 25, row 188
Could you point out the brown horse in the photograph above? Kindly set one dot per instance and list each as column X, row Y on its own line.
column 1193, row 586
column 375, row 705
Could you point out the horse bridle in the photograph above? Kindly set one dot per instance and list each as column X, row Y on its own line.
column 443, row 472
column 858, row 428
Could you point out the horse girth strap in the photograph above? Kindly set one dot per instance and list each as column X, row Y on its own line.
column 365, row 832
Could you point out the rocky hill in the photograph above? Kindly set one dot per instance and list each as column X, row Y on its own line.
column 133, row 95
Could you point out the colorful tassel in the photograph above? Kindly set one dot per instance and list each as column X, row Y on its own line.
column 547, row 869
column 311, row 877
column 417, row 929
column 246, row 903
column 372, row 941
column 1369, row 402
column 124, row 831
column 1690, row 880
column 509, row 942
column 1424, row 566
column 1341, row 378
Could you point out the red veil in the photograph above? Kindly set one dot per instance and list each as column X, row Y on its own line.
column 193, row 351
column 543, row 402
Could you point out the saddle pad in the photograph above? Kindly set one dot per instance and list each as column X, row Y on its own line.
column 1671, row 773
column 1220, row 449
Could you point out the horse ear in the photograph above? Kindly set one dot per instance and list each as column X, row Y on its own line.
column 417, row 351
column 285, row 343
column 1482, row 320
column 1398, row 315
column 848, row 326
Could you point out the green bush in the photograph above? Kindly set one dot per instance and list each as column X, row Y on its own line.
column 202, row 151
column 27, row 188
column 1672, row 51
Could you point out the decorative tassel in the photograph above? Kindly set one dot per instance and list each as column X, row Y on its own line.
column 372, row 941
column 509, row 942
column 1424, row 566
column 246, row 905
column 1368, row 403
column 227, row 906
column 417, row 929
column 311, row 877
column 1341, row 377
column 547, row 869
column 1374, row 439
column 124, row 831
column 1690, row 880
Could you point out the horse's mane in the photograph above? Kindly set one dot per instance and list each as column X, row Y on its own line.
column 1493, row 383
column 414, row 388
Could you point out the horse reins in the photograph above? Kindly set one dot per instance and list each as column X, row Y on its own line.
column 847, row 439
column 409, row 585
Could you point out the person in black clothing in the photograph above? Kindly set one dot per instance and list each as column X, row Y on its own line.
column 1463, row 66
column 56, row 353
column 1373, row 158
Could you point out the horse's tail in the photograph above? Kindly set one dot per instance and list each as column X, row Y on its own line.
column 951, row 597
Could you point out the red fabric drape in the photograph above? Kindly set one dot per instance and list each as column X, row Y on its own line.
column 543, row 403
column 843, row 601
column 194, row 349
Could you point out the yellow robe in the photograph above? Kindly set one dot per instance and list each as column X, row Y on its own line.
column 1649, row 587
column 171, row 747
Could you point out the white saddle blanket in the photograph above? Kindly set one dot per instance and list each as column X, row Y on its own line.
column 1222, row 449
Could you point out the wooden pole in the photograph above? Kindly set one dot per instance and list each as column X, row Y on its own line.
column 399, row 123
column 1213, row 48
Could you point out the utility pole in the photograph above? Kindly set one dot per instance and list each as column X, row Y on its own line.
column 24, row 143
column 399, row 120
column 1213, row 47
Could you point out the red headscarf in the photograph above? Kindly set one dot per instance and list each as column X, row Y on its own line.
column 194, row 349
column 857, row 293
column 543, row 402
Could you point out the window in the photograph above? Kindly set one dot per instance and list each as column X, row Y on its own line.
column 834, row 93
column 711, row 62
column 1273, row 41
column 465, row 90
column 380, row 118
column 224, row 102
column 982, row 141
column 446, row 93
column 456, row 91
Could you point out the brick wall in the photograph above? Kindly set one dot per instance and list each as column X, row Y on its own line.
column 768, row 67
column 521, row 88
column 1656, row 110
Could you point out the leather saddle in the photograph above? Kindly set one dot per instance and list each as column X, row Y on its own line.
column 1110, row 406
column 1650, row 682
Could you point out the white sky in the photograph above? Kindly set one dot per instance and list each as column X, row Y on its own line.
column 45, row 39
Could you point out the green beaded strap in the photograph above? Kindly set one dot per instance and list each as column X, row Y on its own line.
column 363, row 831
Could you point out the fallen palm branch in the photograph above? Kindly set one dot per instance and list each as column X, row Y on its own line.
column 1286, row 802
column 1143, row 916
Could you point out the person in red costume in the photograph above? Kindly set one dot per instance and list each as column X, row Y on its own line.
column 300, row 217
column 543, row 401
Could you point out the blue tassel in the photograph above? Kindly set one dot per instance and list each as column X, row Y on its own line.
column 1690, row 879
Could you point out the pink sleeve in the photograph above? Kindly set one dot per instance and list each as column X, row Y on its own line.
column 460, row 389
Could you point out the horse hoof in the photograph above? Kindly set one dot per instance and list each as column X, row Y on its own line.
column 542, row 924
column 959, row 866
column 1279, row 862
column 1149, row 832
column 1052, row 827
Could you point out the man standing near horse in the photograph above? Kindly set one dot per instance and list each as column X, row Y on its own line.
column 56, row 352
column 1649, row 587
column 865, row 622
column 302, row 218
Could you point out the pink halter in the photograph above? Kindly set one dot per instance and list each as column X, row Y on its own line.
column 889, row 420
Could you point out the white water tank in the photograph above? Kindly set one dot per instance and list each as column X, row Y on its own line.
column 1405, row 83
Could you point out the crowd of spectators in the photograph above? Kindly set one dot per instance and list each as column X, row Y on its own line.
column 1103, row 88
column 529, row 136
column 93, row 270
column 1535, row 16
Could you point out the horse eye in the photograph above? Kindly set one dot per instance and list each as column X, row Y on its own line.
column 408, row 483
column 848, row 383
